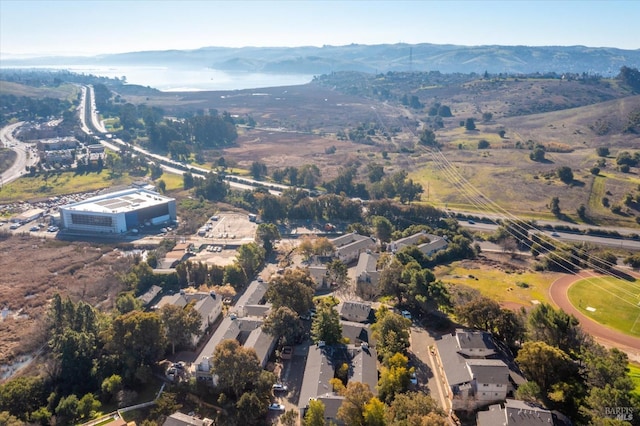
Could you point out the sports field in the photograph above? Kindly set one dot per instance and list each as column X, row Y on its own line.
column 610, row 301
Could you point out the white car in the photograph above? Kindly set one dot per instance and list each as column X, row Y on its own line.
column 278, row 387
column 406, row 314
column 276, row 407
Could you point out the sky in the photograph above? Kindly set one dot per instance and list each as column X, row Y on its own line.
column 86, row 28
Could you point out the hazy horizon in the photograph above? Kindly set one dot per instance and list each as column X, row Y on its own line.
column 31, row 28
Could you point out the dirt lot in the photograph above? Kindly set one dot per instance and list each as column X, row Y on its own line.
column 34, row 269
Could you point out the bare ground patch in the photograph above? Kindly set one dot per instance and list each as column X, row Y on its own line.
column 34, row 269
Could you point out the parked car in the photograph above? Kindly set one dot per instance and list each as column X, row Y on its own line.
column 276, row 407
column 279, row 387
column 406, row 314
column 34, row 229
column 413, row 379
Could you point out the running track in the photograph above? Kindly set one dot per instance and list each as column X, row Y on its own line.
column 603, row 335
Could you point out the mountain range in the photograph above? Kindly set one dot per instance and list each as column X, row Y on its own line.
column 369, row 58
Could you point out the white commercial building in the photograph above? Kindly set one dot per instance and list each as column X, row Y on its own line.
column 118, row 212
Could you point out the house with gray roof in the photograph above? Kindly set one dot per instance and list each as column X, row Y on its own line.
column 473, row 374
column 181, row 419
column 517, row 413
column 357, row 333
column 426, row 243
column 148, row 296
column 208, row 305
column 349, row 246
column 367, row 269
column 320, row 369
column 355, row 311
column 244, row 324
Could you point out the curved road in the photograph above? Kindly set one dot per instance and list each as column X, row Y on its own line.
column 25, row 157
column 603, row 335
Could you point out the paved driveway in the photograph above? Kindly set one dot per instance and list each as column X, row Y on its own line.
column 429, row 376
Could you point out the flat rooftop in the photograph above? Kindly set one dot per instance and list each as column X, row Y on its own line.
column 118, row 202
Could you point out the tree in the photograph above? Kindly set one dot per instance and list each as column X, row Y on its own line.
column 22, row 395
column 284, row 323
column 382, row 228
column 501, row 133
column 166, row 404
column 594, row 171
column 483, row 144
column 538, row 153
column 289, row 418
column 546, row 365
column 391, row 331
column 111, row 386
column 470, row 124
column 394, row 377
column 555, row 327
column 267, row 234
column 162, row 186
column 326, row 326
column 602, row 151
column 565, row 174
column 180, row 324
column 293, row 289
column 315, row 414
column 235, row 367
column 250, row 257
column 554, row 206
column 258, row 170
column 374, row 412
column 375, row 172
column 428, row 137
column 87, row 406
column 480, row 312
column 337, row 273
column 187, row 180
column 413, row 408
column 487, row 116
column 67, row 410
column 138, row 339
column 356, row 395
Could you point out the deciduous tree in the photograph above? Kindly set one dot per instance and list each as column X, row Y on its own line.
column 180, row 324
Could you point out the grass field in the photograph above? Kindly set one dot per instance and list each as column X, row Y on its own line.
column 27, row 188
column 173, row 181
column 634, row 373
column 611, row 301
column 520, row 288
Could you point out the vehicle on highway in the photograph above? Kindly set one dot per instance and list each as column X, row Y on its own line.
column 276, row 407
column 555, row 234
column 471, row 222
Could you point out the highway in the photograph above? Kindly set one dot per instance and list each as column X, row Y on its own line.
column 167, row 164
column 569, row 237
column 26, row 155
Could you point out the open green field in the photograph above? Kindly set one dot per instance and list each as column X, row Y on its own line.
column 27, row 188
column 634, row 373
column 610, row 301
column 173, row 181
column 511, row 288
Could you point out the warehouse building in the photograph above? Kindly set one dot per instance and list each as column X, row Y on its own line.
column 118, row 212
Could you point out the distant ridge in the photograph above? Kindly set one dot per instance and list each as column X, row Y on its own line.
column 370, row 58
